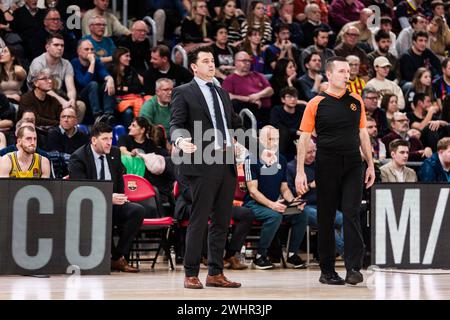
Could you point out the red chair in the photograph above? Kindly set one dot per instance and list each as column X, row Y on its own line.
column 153, row 230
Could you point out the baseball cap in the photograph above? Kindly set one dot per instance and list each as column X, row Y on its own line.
column 381, row 62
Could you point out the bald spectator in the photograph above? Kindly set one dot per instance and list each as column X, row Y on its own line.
column 139, row 46
column 349, row 46
column 365, row 35
column 344, row 11
column 299, row 9
column 404, row 39
column 103, row 46
column 321, row 39
column 162, row 67
column 249, row 89
column 113, row 26
column 312, row 22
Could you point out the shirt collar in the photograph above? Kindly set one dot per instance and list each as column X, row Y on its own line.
column 96, row 155
column 201, row 82
column 64, row 131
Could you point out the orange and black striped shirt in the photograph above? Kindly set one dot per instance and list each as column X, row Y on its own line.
column 337, row 120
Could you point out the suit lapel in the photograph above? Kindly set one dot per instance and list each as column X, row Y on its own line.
column 92, row 167
column 200, row 98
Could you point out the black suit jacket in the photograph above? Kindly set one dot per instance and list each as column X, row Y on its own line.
column 188, row 105
column 82, row 166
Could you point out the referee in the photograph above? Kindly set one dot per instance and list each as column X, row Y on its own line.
column 339, row 120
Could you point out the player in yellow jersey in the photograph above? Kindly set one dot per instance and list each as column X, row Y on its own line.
column 25, row 162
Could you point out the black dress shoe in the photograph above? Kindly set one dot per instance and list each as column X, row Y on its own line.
column 353, row 277
column 331, row 278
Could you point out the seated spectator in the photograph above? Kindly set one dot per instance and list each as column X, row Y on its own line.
column 195, row 28
column 384, row 86
column 99, row 160
column 320, row 38
column 285, row 15
column 365, row 34
column 139, row 46
column 230, row 17
column 286, row 118
column 401, row 130
column 267, row 188
column 311, row 23
column 281, row 48
column 167, row 15
column 222, row 52
column 253, row 46
column 95, row 85
column 437, row 167
column 7, row 113
column 438, row 8
column 418, row 56
column 27, row 20
column 378, row 147
column 421, row 83
column 385, row 28
column 344, row 11
column 311, row 80
column 370, row 97
column 300, row 5
column 25, row 157
column 404, row 39
column 383, row 44
column 129, row 89
column 156, row 110
column 162, row 67
column 249, row 89
column 285, row 75
column 355, row 83
column 62, row 74
column 390, row 105
column 12, row 74
column 396, row 170
column 407, row 9
column 103, row 46
column 113, row 26
column 349, row 47
column 66, row 138
column 311, row 195
column 45, row 107
column 439, row 37
column 256, row 19
column 441, row 86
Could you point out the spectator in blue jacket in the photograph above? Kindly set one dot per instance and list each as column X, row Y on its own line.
column 92, row 80
column 437, row 168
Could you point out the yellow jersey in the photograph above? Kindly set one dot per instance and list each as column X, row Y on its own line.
column 356, row 86
column 33, row 171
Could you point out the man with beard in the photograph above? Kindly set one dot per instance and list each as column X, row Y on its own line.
column 320, row 38
column 25, row 162
column 383, row 41
column 311, row 80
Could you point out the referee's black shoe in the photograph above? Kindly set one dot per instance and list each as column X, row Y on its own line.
column 331, row 278
column 353, row 277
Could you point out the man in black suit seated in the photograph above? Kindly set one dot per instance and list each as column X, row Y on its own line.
column 99, row 160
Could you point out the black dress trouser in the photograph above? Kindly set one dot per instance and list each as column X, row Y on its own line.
column 339, row 179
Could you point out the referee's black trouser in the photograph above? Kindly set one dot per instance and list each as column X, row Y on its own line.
column 339, row 180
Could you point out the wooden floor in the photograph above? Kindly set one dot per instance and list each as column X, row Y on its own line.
column 285, row 284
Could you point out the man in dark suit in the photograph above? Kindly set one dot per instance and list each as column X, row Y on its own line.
column 98, row 160
column 201, row 103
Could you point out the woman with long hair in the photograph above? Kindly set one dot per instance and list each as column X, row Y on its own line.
column 195, row 28
column 12, row 74
column 129, row 85
column 256, row 19
column 389, row 104
column 252, row 45
column 439, row 36
column 421, row 82
column 285, row 75
column 228, row 15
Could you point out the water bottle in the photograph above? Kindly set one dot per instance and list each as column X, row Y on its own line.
column 172, row 257
column 242, row 255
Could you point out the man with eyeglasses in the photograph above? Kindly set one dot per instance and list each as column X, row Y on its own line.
column 103, row 46
column 370, row 97
column 365, row 35
column 139, row 46
column 401, row 130
column 113, row 26
column 46, row 108
column 349, row 47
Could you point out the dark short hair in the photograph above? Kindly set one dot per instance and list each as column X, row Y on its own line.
column 280, row 27
column 288, row 91
column 99, row 128
column 394, row 144
column 419, row 96
column 445, row 62
column 418, row 34
column 219, row 26
column 309, row 57
column 53, row 36
column 163, row 50
column 318, row 30
column 330, row 62
column 144, row 124
column 369, row 118
column 381, row 34
column 193, row 55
